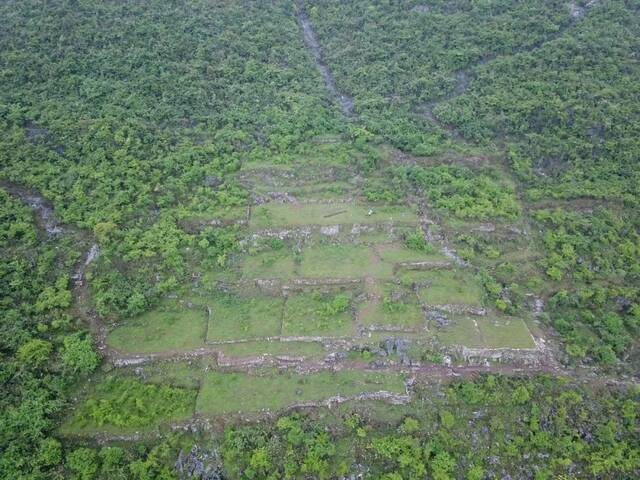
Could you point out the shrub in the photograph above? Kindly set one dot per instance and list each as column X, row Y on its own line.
column 78, row 354
column 34, row 352
column 415, row 241
column 125, row 402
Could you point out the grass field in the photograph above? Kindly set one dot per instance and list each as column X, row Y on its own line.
column 486, row 332
column 506, row 332
column 402, row 312
column 294, row 214
column 310, row 314
column 269, row 264
column 463, row 330
column 450, row 287
column 235, row 316
column 395, row 253
column 170, row 326
column 396, row 293
column 342, row 261
column 225, row 393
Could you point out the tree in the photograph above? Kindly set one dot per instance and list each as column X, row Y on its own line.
column 50, row 452
column 442, row 465
column 83, row 462
column 34, row 353
column 78, row 354
column 520, row 395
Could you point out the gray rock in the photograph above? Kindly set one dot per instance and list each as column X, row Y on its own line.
column 388, row 345
column 377, row 364
column 438, row 317
column 397, row 295
column 330, row 230
column 401, row 346
column 212, row 182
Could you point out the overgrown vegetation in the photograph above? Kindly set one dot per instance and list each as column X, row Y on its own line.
column 42, row 353
column 595, row 260
column 491, row 426
column 463, row 192
column 128, row 403
column 489, row 166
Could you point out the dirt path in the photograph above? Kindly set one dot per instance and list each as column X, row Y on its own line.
column 45, row 217
column 50, row 224
column 311, row 41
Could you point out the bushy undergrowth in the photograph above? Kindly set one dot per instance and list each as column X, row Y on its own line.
column 491, row 426
column 129, row 403
column 463, row 192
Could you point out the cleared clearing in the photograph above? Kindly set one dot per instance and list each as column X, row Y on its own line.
column 234, row 317
column 226, row 393
column 444, row 287
column 486, row 332
column 296, row 214
column 171, row 326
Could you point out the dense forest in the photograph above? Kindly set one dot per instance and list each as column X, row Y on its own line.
column 133, row 130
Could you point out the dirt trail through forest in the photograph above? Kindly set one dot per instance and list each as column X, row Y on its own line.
column 48, row 222
column 464, row 76
column 311, row 40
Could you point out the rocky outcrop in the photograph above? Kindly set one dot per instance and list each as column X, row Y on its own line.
column 521, row 357
column 426, row 265
column 200, row 464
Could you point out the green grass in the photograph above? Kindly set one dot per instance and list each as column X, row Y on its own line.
column 450, row 287
column 406, row 312
column 486, row 332
column 289, row 214
column 309, row 350
column 269, row 264
column 304, row 316
column 185, row 374
column 168, row 327
column 225, row 393
column 398, row 253
column 211, row 277
column 506, row 332
column 323, row 191
column 331, row 261
column 463, row 330
column 342, row 261
column 223, row 214
column 234, row 316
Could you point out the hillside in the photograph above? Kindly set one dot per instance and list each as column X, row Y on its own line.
column 320, row 239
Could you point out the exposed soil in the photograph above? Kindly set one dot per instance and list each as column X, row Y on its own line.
column 45, row 217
